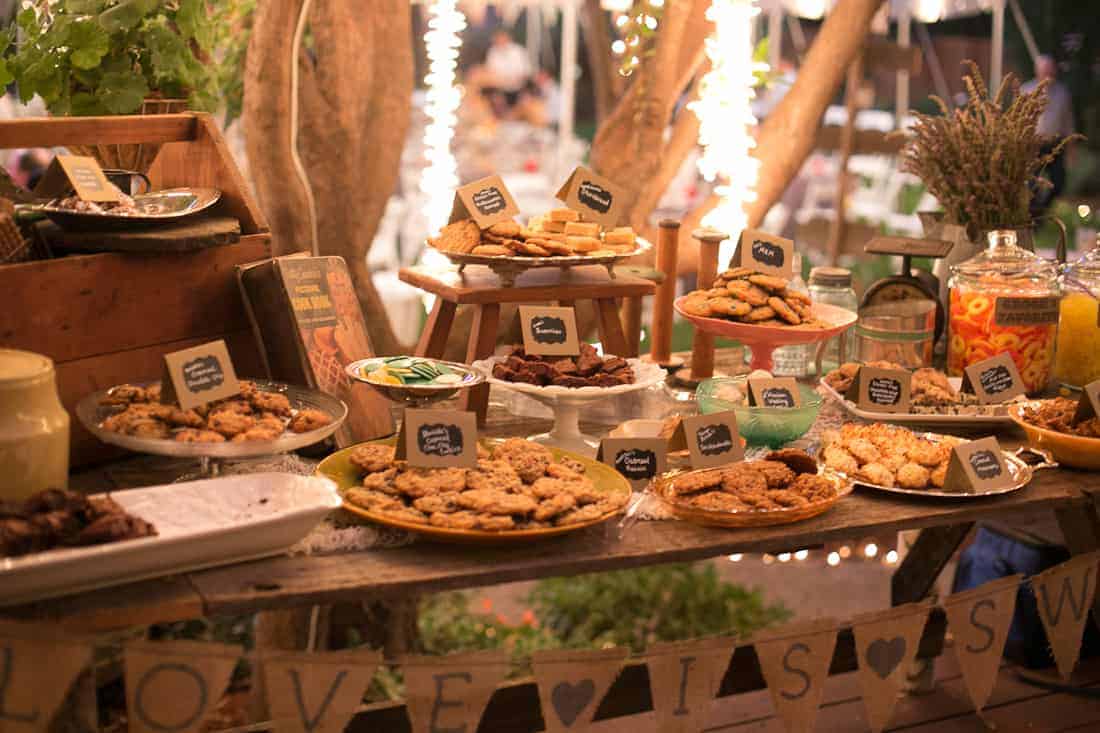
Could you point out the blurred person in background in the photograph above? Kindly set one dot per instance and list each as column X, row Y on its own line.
column 507, row 69
column 1056, row 122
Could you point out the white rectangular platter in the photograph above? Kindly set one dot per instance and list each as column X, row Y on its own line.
column 199, row 524
column 962, row 422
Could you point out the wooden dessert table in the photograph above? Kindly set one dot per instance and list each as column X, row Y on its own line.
column 480, row 287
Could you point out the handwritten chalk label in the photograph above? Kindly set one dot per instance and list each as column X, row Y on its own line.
column 438, row 439
column 549, row 330
column 596, row 198
column 710, row 440
column 778, row 392
column 198, row 376
column 81, row 174
column 486, row 201
column 993, row 380
column 765, row 253
column 977, row 466
column 1088, row 406
column 1039, row 311
column 638, row 460
column 880, row 390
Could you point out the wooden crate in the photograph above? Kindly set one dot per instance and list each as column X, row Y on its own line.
column 108, row 318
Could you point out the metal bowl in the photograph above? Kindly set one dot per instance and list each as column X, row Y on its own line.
column 416, row 394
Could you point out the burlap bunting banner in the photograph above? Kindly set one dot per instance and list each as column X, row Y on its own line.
column 449, row 694
column 795, row 663
column 316, row 693
column 172, row 686
column 1064, row 595
column 886, row 645
column 37, row 668
column 572, row 683
column 979, row 620
column 684, row 677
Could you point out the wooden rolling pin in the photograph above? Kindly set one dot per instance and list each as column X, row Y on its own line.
column 667, row 255
column 702, row 345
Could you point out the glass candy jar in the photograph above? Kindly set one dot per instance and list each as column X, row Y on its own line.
column 1078, row 357
column 1004, row 300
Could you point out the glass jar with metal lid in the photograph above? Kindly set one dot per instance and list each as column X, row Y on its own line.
column 1077, row 362
column 34, row 427
column 1005, row 299
column 833, row 286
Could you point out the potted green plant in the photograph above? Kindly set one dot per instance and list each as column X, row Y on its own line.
column 113, row 57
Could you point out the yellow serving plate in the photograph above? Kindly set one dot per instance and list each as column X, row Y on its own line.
column 1069, row 450
column 339, row 468
column 663, row 486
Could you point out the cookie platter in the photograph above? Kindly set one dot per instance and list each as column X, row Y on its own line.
column 96, row 409
column 520, row 492
column 166, row 206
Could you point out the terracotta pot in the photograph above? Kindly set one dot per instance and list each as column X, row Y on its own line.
column 137, row 157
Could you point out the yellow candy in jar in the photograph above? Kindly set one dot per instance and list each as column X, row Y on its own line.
column 1078, row 357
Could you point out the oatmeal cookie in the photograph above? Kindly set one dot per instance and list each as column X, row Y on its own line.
column 418, row 482
column 147, row 427
column 461, row 236
column 775, row 473
column 270, row 402
column 491, row 250
column 718, row 501
column 371, row 458
column 257, row 433
column 797, row 460
column 788, row 499
column 763, row 313
column 736, row 273
column 495, row 522
column 555, row 505
column 567, row 469
column 697, row 306
column 741, row 479
column 488, row 501
column 784, row 311
column 445, row 503
column 307, row 420
column 184, row 418
column 230, row 423
column 751, row 294
column 407, row 514
column 582, row 514
column 194, row 435
column 493, row 475
column 529, row 460
column 771, row 283
column 124, row 394
column 381, row 480
column 695, row 481
column 455, row 520
column 507, row 229
column 728, row 306
column 372, row 500
column 813, row 487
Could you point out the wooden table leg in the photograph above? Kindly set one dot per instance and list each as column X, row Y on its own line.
column 433, row 339
column 632, row 325
column 483, row 340
column 929, row 555
column 611, row 328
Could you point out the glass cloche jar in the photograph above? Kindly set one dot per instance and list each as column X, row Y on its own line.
column 1005, row 299
column 1077, row 362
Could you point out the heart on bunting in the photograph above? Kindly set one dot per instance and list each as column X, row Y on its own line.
column 884, row 656
column 570, row 700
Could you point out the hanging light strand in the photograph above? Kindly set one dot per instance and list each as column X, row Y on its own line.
column 440, row 177
column 724, row 109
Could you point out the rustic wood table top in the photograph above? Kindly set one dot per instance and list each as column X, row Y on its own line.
column 423, row 567
column 478, row 284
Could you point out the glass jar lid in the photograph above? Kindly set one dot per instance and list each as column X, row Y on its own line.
column 1004, row 259
column 831, row 277
column 1085, row 271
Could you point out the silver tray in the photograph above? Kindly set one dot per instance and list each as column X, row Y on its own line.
column 1022, row 473
column 165, row 206
column 940, row 421
column 508, row 267
column 91, row 413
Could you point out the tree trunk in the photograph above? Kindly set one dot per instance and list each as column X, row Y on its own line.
column 607, row 83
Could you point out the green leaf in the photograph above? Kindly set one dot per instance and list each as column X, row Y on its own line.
column 57, row 35
column 84, row 7
column 169, row 53
column 44, row 77
column 126, row 15
column 122, row 93
column 6, row 77
column 194, row 23
column 89, row 43
column 86, row 103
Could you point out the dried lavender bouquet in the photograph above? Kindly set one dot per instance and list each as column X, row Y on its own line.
column 981, row 160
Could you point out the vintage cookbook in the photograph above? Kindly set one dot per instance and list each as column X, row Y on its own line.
column 309, row 326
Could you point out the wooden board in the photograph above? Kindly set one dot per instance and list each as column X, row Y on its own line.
column 477, row 285
column 864, row 142
column 48, row 132
column 186, row 236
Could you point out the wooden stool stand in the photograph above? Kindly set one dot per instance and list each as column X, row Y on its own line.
column 479, row 287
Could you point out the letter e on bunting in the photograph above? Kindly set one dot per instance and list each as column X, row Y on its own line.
column 684, row 678
column 979, row 620
column 317, row 693
column 1064, row 594
column 572, row 683
column 886, row 645
column 173, row 686
column 449, row 694
column 795, row 662
column 37, row 668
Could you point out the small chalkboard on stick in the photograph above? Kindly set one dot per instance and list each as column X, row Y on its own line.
column 993, row 380
column 880, row 390
column 486, row 201
column 775, row 392
column 765, row 253
column 81, row 174
column 977, row 467
column 438, row 439
column 549, row 330
column 1089, row 405
column 639, row 460
column 596, row 198
column 198, row 376
column 710, row 440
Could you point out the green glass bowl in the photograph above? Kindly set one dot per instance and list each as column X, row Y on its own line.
column 770, row 426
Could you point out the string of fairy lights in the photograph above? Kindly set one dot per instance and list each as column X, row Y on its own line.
column 441, row 100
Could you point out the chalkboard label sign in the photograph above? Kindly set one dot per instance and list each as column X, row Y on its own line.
column 638, row 460
column 486, row 201
column 710, row 440
column 977, row 466
column 881, row 390
column 765, row 253
column 596, row 198
column 438, row 439
column 1035, row 311
column 199, row 375
column 993, row 380
column 1089, row 405
column 549, row 330
column 82, row 174
column 778, row 392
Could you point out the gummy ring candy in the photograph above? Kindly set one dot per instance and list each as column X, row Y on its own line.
column 977, row 306
column 958, row 344
column 1007, row 341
